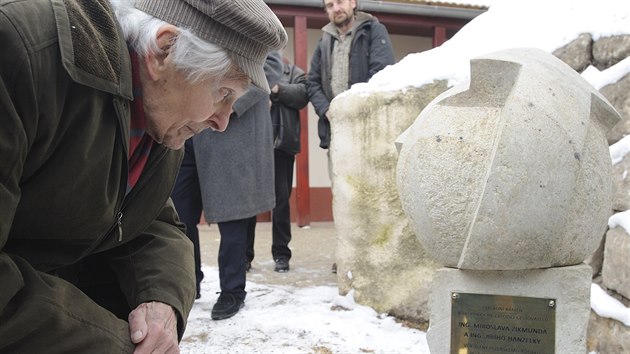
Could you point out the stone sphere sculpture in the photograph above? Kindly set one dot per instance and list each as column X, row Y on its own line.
column 511, row 171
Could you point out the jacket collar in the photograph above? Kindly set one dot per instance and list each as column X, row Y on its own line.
column 93, row 51
column 359, row 21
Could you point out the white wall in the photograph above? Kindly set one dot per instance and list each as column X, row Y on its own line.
column 318, row 161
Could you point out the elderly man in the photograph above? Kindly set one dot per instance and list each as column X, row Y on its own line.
column 96, row 100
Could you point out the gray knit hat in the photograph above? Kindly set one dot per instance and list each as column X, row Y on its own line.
column 247, row 29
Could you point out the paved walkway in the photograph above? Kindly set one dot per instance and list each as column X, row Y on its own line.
column 313, row 251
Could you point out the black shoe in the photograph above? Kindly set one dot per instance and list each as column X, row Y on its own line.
column 248, row 266
column 334, row 268
column 227, row 306
column 282, row 265
column 198, row 296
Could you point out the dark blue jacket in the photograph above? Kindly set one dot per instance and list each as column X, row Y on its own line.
column 370, row 52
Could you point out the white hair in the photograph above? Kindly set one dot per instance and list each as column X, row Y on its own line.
column 197, row 58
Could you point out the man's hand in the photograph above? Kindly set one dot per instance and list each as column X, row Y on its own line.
column 153, row 328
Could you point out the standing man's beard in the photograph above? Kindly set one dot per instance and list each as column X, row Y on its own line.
column 345, row 21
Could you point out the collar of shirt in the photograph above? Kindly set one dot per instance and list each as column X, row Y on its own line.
column 140, row 142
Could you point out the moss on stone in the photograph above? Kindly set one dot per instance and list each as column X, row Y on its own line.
column 384, row 235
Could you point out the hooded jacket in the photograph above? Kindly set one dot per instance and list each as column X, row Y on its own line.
column 65, row 89
column 371, row 51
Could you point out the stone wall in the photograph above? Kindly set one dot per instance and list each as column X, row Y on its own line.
column 611, row 262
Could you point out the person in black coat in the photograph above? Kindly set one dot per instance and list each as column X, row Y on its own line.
column 229, row 176
column 287, row 98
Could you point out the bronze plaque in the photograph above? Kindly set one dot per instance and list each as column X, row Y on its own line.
column 482, row 323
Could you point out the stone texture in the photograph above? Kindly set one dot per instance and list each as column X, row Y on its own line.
column 607, row 336
column 570, row 286
column 617, row 95
column 377, row 254
column 513, row 171
column 621, row 184
column 596, row 260
column 616, row 267
column 578, row 53
column 608, row 51
column 582, row 52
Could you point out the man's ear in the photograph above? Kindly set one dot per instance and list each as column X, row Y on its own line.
column 156, row 63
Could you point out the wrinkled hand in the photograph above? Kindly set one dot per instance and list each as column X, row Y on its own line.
column 153, row 328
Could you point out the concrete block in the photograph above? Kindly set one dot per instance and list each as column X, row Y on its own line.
column 570, row 286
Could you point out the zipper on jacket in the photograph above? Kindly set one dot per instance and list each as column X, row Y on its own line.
column 119, row 222
column 152, row 166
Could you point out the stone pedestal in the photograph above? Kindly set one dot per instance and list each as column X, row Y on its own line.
column 569, row 286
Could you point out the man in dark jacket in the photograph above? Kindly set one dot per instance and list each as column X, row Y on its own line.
column 353, row 48
column 95, row 104
column 287, row 98
column 229, row 176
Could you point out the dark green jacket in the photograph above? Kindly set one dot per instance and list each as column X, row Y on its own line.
column 65, row 91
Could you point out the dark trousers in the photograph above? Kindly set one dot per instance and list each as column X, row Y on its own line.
column 281, row 215
column 234, row 234
column 232, row 254
column 187, row 199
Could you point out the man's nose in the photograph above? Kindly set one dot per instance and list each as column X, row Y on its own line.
column 222, row 119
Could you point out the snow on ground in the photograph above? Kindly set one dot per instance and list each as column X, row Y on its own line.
column 286, row 319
